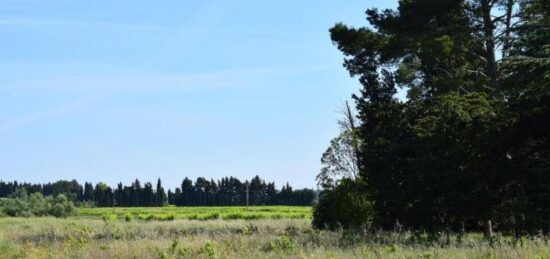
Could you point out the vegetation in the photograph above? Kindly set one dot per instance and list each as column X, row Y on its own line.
column 228, row 191
column 468, row 151
column 269, row 238
column 198, row 213
column 23, row 205
column 469, row 148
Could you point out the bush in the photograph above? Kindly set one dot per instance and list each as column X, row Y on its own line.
column 209, row 249
column 22, row 205
column 62, row 207
column 128, row 217
column 235, row 215
column 16, row 208
column 344, row 206
column 109, row 217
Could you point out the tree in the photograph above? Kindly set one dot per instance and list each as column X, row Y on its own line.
column 148, row 195
column 341, row 159
column 161, row 195
column 187, row 192
column 103, row 195
column 88, row 192
column 457, row 151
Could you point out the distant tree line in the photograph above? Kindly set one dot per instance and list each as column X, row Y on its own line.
column 228, row 191
column 231, row 191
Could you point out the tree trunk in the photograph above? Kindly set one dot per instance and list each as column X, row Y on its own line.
column 507, row 28
column 488, row 30
column 488, row 228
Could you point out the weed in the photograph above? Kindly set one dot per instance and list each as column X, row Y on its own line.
column 109, row 217
column 209, row 249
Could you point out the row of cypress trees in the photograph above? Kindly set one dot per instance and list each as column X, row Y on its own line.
column 228, row 191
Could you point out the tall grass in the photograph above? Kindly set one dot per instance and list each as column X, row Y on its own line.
column 265, row 238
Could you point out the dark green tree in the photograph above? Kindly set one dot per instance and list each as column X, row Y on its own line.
column 161, row 198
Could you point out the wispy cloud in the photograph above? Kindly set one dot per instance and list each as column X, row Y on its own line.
column 23, row 120
column 139, row 82
column 96, row 87
column 178, row 29
column 81, row 23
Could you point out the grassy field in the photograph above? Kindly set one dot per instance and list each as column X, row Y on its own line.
column 200, row 213
column 93, row 235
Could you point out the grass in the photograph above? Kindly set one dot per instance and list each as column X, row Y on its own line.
column 222, row 235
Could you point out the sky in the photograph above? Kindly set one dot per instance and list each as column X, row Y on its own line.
column 112, row 91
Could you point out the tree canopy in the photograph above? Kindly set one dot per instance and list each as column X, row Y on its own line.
column 470, row 143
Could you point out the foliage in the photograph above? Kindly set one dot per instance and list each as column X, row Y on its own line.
column 197, row 213
column 228, row 191
column 23, row 205
column 343, row 206
column 339, row 160
column 108, row 217
column 281, row 238
column 469, row 146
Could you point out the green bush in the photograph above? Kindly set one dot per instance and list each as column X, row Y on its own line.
column 62, row 207
column 282, row 243
column 235, row 215
column 210, row 216
column 109, row 217
column 344, row 206
column 128, row 217
column 209, row 249
column 23, row 205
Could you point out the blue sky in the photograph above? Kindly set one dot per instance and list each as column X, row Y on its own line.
column 116, row 90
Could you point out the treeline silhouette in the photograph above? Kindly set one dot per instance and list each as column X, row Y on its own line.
column 229, row 191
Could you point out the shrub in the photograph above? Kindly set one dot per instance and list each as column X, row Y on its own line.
column 210, row 216
column 16, row 208
column 128, row 217
column 209, row 249
column 282, row 243
column 253, row 216
column 109, row 217
column 233, row 216
column 22, row 205
column 39, row 205
column 344, row 206
column 62, row 207
column 174, row 251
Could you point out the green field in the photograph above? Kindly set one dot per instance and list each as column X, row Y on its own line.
column 199, row 213
column 274, row 232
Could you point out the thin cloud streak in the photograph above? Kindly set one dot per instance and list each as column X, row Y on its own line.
column 79, row 23
column 27, row 22
column 57, row 111
column 140, row 82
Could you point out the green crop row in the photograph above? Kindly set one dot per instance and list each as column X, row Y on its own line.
column 197, row 213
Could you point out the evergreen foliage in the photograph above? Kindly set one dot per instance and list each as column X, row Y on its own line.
column 469, row 148
column 228, row 191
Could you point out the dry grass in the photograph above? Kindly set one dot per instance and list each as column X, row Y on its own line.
column 266, row 238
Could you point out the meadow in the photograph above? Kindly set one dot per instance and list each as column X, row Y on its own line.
column 98, row 233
